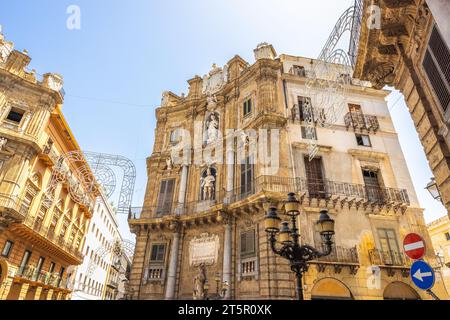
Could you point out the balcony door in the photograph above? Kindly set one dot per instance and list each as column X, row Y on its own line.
column 314, row 177
column 372, row 185
column 247, row 177
column 165, row 197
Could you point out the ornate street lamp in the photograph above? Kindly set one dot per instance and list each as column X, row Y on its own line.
column 288, row 238
column 433, row 189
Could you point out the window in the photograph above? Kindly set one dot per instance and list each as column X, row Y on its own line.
column 435, row 64
column 390, row 252
column 248, row 244
column 39, row 267
column 158, row 253
column 247, row 176
column 314, row 176
column 175, row 136
column 372, row 185
column 363, row 140
column 52, row 267
column 165, row 197
column 61, row 274
column 15, row 115
column 7, row 248
column 247, row 107
column 24, row 262
column 309, row 133
column 447, row 236
column 298, row 70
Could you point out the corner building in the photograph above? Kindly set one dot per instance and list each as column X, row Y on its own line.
column 45, row 203
column 212, row 213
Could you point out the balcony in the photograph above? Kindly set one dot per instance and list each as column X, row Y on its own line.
column 360, row 121
column 49, row 155
column 155, row 274
column 29, row 274
column 339, row 258
column 45, row 237
column 12, row 210
column 318, row 193
column 391, row 261
column 112, row 284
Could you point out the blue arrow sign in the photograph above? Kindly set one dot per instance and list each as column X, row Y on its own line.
column 422, row 274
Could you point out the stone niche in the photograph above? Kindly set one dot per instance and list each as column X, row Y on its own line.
column 200, row 246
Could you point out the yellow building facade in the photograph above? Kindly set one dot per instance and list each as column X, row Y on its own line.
column 47, row 190
column 236, row 145
column 440, row 237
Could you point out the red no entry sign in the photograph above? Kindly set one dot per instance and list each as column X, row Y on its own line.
column 414, row 246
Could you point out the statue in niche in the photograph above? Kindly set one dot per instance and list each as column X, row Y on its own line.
column 212, row 127
column 199, row 283
column 3, row 142
column 208, row 184
column 169, row 163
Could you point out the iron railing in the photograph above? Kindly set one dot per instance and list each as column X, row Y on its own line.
column 312, row 189
column 342, row 255
column 387, row 258
column 358, row 120
column 43, row 277
column 13, row 203
column 48, row 233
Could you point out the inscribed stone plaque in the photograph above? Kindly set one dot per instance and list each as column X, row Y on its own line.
column 204, row 249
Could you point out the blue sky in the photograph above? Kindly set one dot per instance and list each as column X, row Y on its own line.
column 128, row 52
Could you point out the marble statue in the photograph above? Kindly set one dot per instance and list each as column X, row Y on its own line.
column 208, row 185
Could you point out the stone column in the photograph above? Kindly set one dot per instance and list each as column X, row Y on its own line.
column 4, row 288
column 183, row 187
column 37, row 294
column 49, row 294
column 227, row 255
column 230, row 173
column 23, row 291
column 173, row 265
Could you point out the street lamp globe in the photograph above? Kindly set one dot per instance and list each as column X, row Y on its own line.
column 272, row 221
column 285, row 234
column 433, row 189
column 291, row 206
column 325, row 225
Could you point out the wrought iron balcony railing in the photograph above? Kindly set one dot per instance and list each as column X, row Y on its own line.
column 338, row 192
column 388, row 258
column 360, row 121
column 42, row 277
column 48, row 233
column 342, row 255
column 13, row 205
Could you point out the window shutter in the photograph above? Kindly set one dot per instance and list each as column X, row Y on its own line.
column 248, row 243
column 436, row 64
column 165, row 197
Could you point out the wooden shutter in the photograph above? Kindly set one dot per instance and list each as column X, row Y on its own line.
column 314, row 176
column 372, row 185
column 247, row 176
column 436, row 64
column 165, row 197
column 248, row 243
column 158, row 253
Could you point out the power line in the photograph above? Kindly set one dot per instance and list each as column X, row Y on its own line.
column 395, row 103
column 109, row 101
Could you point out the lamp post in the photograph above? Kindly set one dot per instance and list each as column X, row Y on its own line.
column 433, row 189
column 288, row 239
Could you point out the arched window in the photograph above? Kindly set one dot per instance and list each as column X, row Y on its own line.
column 400, row 291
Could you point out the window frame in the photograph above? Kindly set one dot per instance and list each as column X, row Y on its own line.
column 11, row 244
column 359, row 135
column 16, row 110
column 248, row 253
column 163, row 259
column 247, row 107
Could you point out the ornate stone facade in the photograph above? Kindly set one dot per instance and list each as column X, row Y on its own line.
column 45, row 200
column 403, row 54
column 180, row 229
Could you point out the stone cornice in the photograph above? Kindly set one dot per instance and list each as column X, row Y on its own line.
column 304, row 146
column 367, row 154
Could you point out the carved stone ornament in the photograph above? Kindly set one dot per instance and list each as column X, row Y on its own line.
column 3, row 142
column 215, row 80
column 204, row 249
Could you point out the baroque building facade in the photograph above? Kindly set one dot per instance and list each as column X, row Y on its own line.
column 46, row 196
column 407, row 46
column 209, row 189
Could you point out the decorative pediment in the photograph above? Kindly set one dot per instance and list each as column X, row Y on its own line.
column 215, row 80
